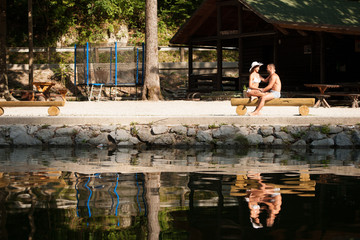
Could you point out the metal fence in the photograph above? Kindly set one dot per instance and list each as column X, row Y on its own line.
column 109, row 66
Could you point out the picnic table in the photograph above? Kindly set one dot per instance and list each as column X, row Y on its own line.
column 351, row 90
column 44, row 88
column 322, row 96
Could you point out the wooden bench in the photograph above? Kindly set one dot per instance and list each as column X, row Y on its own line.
column 303, row 103
column 354, row 97
column 52, row 111
column 26, row 95
column 321, row 98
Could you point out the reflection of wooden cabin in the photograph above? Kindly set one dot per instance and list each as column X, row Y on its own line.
column 309, row 41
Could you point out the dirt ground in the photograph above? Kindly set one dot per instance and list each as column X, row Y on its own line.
column 173, row 85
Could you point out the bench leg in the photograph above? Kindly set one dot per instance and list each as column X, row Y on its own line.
column 355, row 101
column 53, row 111
column 99, row 95
column 241, row 110
column 91, row 92
column 321, row 102
column 317, row 104
column 303, row 110
column 325, row 103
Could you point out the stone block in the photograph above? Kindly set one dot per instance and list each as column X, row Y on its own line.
column 204, row 136
column 181, row 130
column 343, row 140
column 159, row 129
column 327, row 142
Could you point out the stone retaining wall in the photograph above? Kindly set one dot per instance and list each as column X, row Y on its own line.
column 181, row 136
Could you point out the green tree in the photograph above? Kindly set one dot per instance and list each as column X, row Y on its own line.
column 4, row 88
column 90, row 19
column 175, row 12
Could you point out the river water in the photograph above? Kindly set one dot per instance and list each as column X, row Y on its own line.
column 68, row 193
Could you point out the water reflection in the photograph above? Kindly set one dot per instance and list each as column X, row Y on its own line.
column 266, row 195
column 178, row 194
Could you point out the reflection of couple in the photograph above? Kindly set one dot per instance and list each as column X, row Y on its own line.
column 264, row 198
column 271, row 91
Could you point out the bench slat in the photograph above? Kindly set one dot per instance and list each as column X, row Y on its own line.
column 274, row 102
column 345, row 94
column 31, row 103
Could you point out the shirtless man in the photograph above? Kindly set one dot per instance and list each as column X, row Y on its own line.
column 274, row 88
column 262, row 198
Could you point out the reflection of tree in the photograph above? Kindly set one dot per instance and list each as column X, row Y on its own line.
column 263, row 198
column 3, row 214
column 31, row 215
column 152, row 185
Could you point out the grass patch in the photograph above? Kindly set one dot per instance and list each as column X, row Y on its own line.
column 284, row 129
column 212, row 126
column 325, row 129
column 242, row 140
column 134, row 131
column 298, row 135
column 45, row 126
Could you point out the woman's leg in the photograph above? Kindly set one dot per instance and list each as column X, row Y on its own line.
column 255, row 93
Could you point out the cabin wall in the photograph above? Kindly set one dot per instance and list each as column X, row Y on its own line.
column 298, row 61
column 257, row 49
column 298, row 58
column 342, row 56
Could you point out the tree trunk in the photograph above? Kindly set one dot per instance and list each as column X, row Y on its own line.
column 3, row 213
column 31, row 44
column 4, row 85
column 152, row 186
column 151, row 89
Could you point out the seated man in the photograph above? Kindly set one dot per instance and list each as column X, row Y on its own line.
column 274, row 88
column 263, row 198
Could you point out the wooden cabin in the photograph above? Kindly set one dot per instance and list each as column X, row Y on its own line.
column 315, row 41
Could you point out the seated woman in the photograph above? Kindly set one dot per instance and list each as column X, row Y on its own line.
column 254, row 81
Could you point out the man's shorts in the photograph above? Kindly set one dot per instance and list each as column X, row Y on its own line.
column 276, row 94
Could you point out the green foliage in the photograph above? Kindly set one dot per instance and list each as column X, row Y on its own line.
column 174, row 12
column 91, row 20
column 325, row 129
column 212, row 126
column 284, row 129
column 45, row 126
column 298, row 135
column 134, row 131
column 242, row 140
column 133, row 123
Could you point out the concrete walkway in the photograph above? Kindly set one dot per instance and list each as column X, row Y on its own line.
column 175, row 112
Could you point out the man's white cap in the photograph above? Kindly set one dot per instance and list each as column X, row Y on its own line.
column 255, row 64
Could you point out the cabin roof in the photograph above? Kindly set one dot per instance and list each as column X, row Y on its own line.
column 336, row 16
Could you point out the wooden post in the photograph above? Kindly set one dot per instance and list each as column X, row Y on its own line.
column 275, row 50
column 182, row 54
column 218, row 81
column 190, row 69
column 240, row 46
column 31, row 46
column 322, row 57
